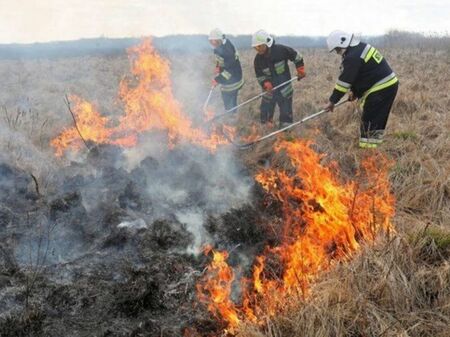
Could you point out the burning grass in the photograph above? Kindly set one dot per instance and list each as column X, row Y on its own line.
column 324, row 221
column 390, row 289
column 350, row 281
column 149, row 105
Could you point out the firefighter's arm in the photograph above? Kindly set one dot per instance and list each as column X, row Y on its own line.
column 346, row 79
column 220, row 77
column 262, row 78
column 295, row 57
column 223, row 76
column 228, row 58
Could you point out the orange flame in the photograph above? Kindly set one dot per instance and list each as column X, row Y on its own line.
column 149, row 105
column 218, row 291
column 324, row 220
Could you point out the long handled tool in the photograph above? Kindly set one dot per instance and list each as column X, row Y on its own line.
column 205, row 105
column 250, row 100
column 257, row 140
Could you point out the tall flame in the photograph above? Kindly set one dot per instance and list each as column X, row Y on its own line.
column 149, row 105
column 218, row 292
column 324, row 221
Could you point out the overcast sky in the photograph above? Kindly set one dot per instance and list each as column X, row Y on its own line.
column 48, row 20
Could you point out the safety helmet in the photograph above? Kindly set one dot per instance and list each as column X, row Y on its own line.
column 341, row 39
column 216, row 34
column 262, row 37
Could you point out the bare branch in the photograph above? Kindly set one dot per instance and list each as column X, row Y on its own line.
column 36, row 185
column 67, row 101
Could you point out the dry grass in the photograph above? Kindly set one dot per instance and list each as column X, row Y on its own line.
column 418, row 136
column 400, row 287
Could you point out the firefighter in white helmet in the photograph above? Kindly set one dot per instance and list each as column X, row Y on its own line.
column 228, row 71
column 365, row 75
column 272, row 69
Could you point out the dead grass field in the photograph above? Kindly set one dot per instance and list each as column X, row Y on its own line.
column 399, row 287
column 418, row 136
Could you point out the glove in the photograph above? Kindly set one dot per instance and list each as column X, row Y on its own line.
column 217, row 70
column 351, row 96
column 268, row 86
column 301, row 72
column 214, row 83
column 329, row 107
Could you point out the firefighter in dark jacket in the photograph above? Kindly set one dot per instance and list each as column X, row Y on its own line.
column 228, row 72
column 272, row 69
column 365, row 75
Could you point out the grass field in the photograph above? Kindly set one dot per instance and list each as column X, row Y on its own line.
column 399, row 286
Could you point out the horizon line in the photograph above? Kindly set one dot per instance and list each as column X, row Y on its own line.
column 422, row 34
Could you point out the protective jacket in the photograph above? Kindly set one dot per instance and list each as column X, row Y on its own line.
column 230, row 71
column 363, row 70
column 273, row 66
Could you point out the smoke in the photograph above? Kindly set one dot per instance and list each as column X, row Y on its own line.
column 190, row 183
column 109, row 190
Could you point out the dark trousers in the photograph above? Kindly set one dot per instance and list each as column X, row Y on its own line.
column 230, row 99
column 376, row 111
column 268, row 103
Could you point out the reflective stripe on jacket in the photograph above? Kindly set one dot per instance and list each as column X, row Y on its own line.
column 363, row 70
column 230, row 71
column 273, row 66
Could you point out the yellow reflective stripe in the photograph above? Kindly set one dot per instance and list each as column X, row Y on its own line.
column 220, row 60
column 378, row 87
column 369, row 54
column 383, row 85
column 370, row 143
column 287, row 91
column 232, row 87
column 371, row 140
column 365, row 145
column 279, row 67
column 340, row 88
column 226, row 74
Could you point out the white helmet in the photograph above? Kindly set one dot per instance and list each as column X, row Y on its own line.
column 216, row 34
column 262, row 37
column 341, row 39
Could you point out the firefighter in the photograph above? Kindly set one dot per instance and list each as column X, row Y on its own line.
column 228, row 71
column 365, row 75
column 272, row 69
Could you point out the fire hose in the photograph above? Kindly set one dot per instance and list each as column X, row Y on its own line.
column 250, row 100
column 243, row 146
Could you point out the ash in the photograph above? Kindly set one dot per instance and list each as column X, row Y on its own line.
column 114, row 249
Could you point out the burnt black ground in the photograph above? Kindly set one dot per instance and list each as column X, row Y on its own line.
column 67, row 269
